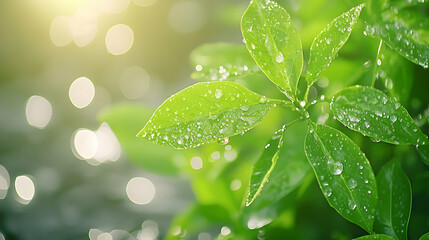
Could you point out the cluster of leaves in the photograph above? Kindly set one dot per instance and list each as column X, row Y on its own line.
column 222, row 108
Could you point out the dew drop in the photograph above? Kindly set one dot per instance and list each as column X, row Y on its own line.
column 393, row 118
column 378, row 62
column 352, row 183
column 336, row 168
column 279, row 58
column 244, row 108
column 367, row 125
column 352, row 204
column 328, row 191
column 223, row 141
column 218, row 93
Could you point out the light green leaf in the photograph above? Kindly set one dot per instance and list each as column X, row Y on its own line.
column 375, row 237
column 222, row 61
column 125, row 120
column 344, row 174
column 265, row 165
column 423, row 150
column 273, row 42
column 372, row 113
column 205, row 112
column 425, row 236
column 395, row 73
column 327, row 44
column 394, row 201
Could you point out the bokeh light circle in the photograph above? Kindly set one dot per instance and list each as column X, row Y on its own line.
column 140, row 190
column 119, row 39
column 81, row 92
column 38, row 111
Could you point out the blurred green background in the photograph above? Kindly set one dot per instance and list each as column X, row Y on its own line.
column 71, row 71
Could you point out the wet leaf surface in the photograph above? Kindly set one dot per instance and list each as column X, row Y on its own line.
column 327, row 44
column 375, row 237
column 273, row 42
column 394, row 201
column 344, row 174
column 205, row 112
column 222, row 61
column 372, row 113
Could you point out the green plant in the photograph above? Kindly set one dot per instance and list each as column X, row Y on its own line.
column 218, row 110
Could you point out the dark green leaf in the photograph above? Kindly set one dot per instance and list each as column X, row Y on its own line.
column 423, row 150
column 291, row 167
column 222, row 61
column 344, row 174
column 205, row 112
column 395, row 72
column 125, row 120
column 394, row 201
column 425, row 237
column 375, row 237
column 265, row 165
column 273, row 42
column 403, row 30
column 372, row 113
column 327, row 44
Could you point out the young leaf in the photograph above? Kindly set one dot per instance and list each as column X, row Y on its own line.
column 205, row 112
column 222, row 61
column 375, row 237
column 394, row 201
column 125, row 120
column 372, row 113
column 327, row 44
column 344, row 174
column 425, row 236
column 265, row 165
column 423, row 150
column 273, row 42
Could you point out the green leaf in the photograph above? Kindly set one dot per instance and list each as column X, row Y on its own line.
column 394, row 201
column 425, row 236
column 423, row 150
column 375, row 237
column 125, row 120
column 372, row 113
column 344, row 174
column 327, row 44
column 273, row 42
column 404, row 30
column 222, row 61
column 265, row 165
column 205, row 112
column 291, row 166
column 395, row 73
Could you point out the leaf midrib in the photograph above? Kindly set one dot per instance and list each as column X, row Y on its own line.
column 342, row 178
column 270, row 35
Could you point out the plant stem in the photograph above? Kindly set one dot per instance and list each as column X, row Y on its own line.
column 375, row 65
